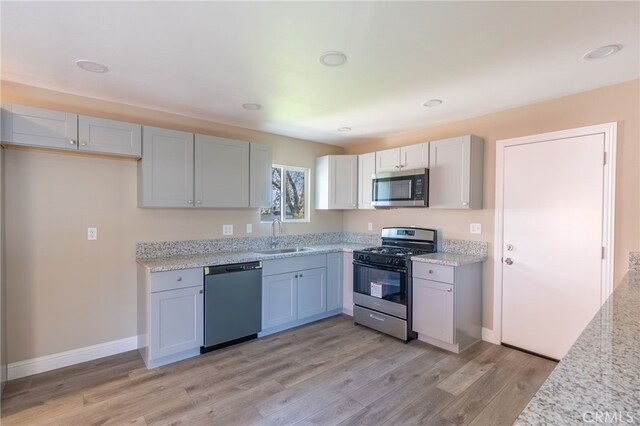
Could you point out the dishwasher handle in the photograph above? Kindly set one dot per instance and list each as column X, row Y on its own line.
column 235, row 267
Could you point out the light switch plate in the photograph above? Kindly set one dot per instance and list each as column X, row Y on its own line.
column 227, row 229
column 92, row 234
column 249, row 228
column 475, row 228
column 369, row 226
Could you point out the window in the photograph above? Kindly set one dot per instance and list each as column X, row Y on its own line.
column 290, row 204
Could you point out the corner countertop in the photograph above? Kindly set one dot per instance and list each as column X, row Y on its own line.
column 449, row 259
column 598, row 381
column 162, row 264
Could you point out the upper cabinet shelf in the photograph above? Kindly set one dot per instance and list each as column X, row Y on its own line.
column 39, row 127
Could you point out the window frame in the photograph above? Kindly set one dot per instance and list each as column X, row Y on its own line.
column 283, row 195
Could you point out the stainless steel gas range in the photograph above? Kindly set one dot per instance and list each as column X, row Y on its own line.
column 382, row 280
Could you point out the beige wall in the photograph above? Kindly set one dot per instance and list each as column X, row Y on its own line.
column 67, row 292
column 620, row 103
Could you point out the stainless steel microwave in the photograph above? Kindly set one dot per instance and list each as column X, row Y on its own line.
column 408, row 188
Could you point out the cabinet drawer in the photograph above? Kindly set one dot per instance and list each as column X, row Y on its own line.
column 433, row 272
column 181, row 278
column 292, row 264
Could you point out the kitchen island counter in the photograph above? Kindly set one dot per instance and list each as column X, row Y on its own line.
column 598, row 381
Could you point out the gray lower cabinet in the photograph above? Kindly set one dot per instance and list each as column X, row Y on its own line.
column 334, row 280
column 170, row 315
column 447, row 304
column 296, row 291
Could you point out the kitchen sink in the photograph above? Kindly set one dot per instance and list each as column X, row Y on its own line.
column 282, row 250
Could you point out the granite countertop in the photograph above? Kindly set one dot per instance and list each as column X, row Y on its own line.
column 170, row 263
column 598, row 381
column 449, row 259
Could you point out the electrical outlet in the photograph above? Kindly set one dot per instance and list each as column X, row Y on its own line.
column 475, row 228
column 227, row 229
column 249, row 228
column 369, row 226
column 92, row 234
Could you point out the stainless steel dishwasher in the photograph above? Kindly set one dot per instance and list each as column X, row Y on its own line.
column 232, row 304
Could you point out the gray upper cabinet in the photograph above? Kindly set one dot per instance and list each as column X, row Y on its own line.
column 456, row 173
column 366, row 169
column 221, row 172
column 165, row 172
column 403, row 158
column 109, row 136
column 23, row 125
column 337, row 182
column 260, row 175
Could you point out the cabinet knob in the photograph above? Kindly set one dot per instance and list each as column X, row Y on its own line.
column 296, row 276
column 300, row 275
column 189, row 201
column 464, row 203
column 72, row 142
column 449, row 290
column 179, row 279
column 201, row 292
column 199, row 201
column 83, row 143
column 431, row 271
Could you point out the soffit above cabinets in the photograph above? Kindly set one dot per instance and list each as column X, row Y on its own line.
column 207, row 59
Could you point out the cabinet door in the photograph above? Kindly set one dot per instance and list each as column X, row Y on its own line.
column 176, row 321
column 449, row 173
column 414, row 156
column 433, row 309
column 260, row 175
column 366, row 168
column 166, row 168
column 388, row 160
column 279, row 299
column 109, row 136
column 343, row 175
column 39, row 127
column 221, row 172
column 312, row 292
column 334, row 281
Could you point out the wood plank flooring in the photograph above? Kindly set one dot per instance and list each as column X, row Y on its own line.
column 327, row 373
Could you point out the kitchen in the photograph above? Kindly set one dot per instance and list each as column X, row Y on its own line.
column 51, row 200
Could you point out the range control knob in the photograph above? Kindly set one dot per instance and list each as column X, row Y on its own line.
column 367, row 258
column 389, row 261
column 361, row 257
column 397, row 262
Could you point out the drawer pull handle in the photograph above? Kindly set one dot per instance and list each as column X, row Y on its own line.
column 376, row 317
column 179, row 278
column 431, row 271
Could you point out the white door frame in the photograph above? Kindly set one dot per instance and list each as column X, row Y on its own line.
column 610, row 140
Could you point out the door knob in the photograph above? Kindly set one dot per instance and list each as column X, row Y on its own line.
column 508, row 261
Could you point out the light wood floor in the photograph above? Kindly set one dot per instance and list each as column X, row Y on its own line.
column 327, row 373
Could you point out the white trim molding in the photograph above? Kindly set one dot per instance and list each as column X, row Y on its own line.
column 609, row 130
column 45, row 363
column 488, row 335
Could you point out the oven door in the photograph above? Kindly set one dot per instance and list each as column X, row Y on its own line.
column 381, row 288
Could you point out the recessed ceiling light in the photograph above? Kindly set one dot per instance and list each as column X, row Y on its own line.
column 432, row 102
column 344, row 129
column 252, row 107
column 333, row 58
column 602, row 52
column 91, row 66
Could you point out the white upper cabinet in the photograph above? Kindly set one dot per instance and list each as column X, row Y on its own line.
column 456, row 173
column 23, row 125
column 165, row 173
column 109, row 136
column 337, row 182
column 403, row 158
column 366, row 169
column 221, row 172
column 260, row 175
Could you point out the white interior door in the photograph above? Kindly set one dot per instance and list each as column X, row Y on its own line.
column 552, row 238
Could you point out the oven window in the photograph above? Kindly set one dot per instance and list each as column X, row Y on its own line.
column 380, row 283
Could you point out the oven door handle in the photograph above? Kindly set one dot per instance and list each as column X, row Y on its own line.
column 385, row 268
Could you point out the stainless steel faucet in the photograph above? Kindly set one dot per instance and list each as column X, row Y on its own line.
column 274, row 241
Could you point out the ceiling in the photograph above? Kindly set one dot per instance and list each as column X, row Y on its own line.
column 206, row 59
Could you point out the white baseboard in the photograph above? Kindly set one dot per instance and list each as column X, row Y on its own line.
column 41, row 364
column 347, row 311
column 488, row 335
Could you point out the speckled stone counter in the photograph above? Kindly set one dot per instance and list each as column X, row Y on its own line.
column 170, row 263
column 449, row 259
column 598, row 381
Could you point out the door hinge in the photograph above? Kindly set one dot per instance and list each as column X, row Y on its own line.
column 604, row 160
column 603, row 252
